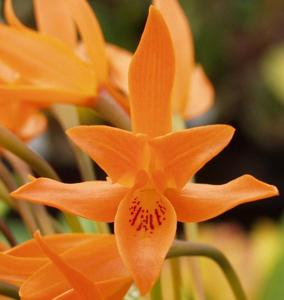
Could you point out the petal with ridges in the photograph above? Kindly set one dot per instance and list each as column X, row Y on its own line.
column 184, row 50
column 55, row 20
column 120, row 153
column 119, row 59
column 95, row 200
column 200, row 202
column 44, row 60
column 151, row 77
column 181, row 154
column 201, row 94
column 145, row 227
column 83, row 287
column 91, row 34
column 97, row 259
column 43, row 97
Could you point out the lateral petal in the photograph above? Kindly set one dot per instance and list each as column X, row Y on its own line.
column 44, row 61
column 91, row 34
column 181, row 154
column 120, row 153
column 97, row 259
column 55, row 20
column 201, row 94
column 184, row 50
column 119, row 60
column 43, row 96
column 95, row 200
column 145, row 226
column 83, row 287
column 200, row 202
column 151, row 77
column 15, row 270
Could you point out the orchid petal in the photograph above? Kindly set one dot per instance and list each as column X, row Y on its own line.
column 145, row 227
column 151, row 77
column 58, row 242
column 119, row 60
column 83, row 287
column 91, row 34
column 97, row 259
column 43, row 96
column 184, row 51
column 54, row 19
column 181, row 154
column 96, row 200
column 118, row 152
column 15, row 270
column 201, row 94
column 44, row 60
column 200, row 202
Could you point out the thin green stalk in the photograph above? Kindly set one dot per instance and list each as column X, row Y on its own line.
column 156, row 292
column 183, row 248
column 9, row 290
column 12, row 143
column 111, row 111
column 4, row 194
column 7, row 233
column 67, row 116
column 176, row 278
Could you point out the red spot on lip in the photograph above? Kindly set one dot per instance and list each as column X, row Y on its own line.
column 136, row 216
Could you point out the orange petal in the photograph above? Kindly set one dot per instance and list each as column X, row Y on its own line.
column 97, row 259
column 145, row 227
column 83, row 287
column 119, row 60
column 58, row 242
column 120, row 153
column 96, row 200
column 200, row 202
column 181, row 154
column 43, row 96
column 7, row 74
column 15, row 270
column 151, row 77
column 55, row 20
column 91, row 34
column 11, row 17
column 184, row 50
column 46, row 61
column 201, row 94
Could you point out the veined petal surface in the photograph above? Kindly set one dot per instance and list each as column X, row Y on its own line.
column 151, row 77
column 184, row 51
column 95, row 200
column 200, row 202
column 121, row 154
column 145, row 226
column 181, row 154
column 54, row 19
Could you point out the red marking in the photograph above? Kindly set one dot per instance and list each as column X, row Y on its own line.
column 136, row 216
column 158, row 217
column 151, row 222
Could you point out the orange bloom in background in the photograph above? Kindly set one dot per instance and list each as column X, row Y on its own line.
column 48, row 67
column 149, row 169
column 66, row 266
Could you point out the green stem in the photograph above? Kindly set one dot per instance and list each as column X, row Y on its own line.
column 12, row 143
column 176, row 278
column 7, row 233
column 182, row 248
column 111, row 111
column 156, row 292
column 9, row 290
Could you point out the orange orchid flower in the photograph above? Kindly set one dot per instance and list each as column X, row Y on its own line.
column 66, row 266
column 50, row 70
column 150, row 168
column 192, row 93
